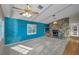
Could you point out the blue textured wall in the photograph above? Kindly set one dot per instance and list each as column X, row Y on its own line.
column 16, row 30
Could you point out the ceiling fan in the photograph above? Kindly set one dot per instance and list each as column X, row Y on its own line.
column 27, row 11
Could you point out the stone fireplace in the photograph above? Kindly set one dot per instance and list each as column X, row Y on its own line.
column 59, row 29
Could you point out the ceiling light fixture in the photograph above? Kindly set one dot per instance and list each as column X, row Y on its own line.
column 26, row 14
column 55, row 22
column 54, row 16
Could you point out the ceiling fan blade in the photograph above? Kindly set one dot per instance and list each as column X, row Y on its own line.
column 18, row 8
column 33, row 12
column 21, row 13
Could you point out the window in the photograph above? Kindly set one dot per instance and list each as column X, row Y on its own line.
column 31, row 29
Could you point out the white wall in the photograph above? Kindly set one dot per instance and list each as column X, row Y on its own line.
column 1, row 30
column 1, row 26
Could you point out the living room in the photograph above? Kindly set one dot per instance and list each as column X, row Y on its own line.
column 39, row 29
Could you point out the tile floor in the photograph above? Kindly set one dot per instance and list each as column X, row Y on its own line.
column 38, row 46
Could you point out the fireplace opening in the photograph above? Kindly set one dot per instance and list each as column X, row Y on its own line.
column 55, row 33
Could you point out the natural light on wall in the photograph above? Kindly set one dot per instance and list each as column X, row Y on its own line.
column 1, row 29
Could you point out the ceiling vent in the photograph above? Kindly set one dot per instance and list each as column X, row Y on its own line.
column 40, row 7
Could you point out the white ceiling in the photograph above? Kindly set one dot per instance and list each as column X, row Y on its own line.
column 45, row 14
